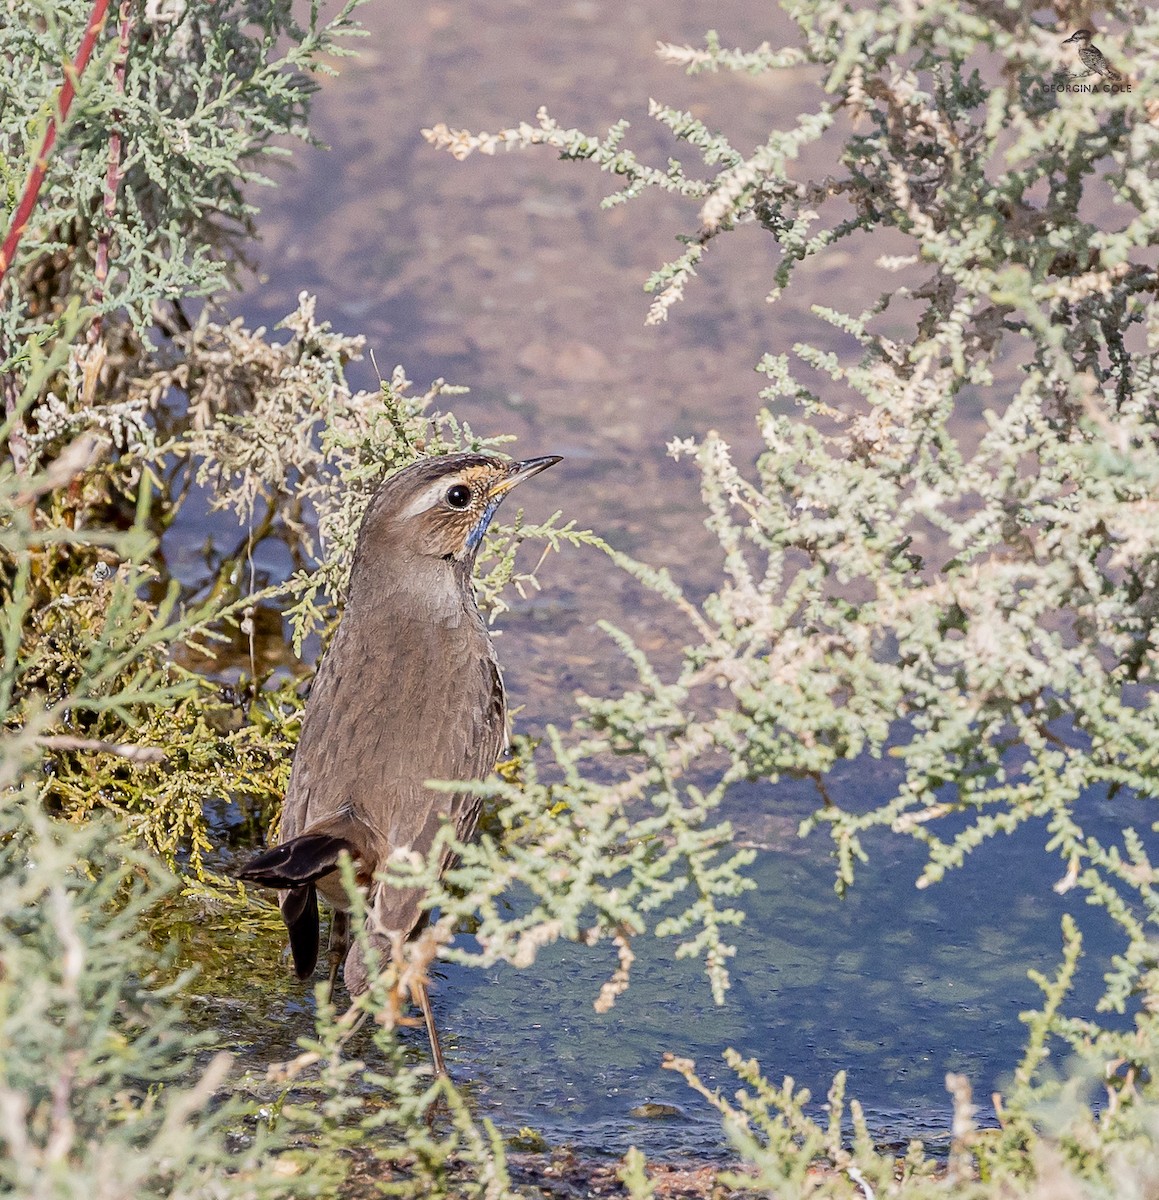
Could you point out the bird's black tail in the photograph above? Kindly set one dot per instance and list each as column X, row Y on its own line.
column 303, row 860
column 300, row 913
column 294, row 867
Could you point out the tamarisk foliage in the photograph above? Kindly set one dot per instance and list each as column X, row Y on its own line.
column 976, row 602
column 974, row 598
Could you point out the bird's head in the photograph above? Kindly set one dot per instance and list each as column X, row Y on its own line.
column 439, row 508
column 1082, row 36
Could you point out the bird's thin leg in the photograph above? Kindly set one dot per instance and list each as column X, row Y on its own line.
column 338, row 945
column 422, row 998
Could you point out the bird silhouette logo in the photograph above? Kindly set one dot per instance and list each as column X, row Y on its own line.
column 1092, row 58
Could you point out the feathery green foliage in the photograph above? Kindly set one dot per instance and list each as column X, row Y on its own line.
column 207, row 89
column 103, row 1084
column 981, row 609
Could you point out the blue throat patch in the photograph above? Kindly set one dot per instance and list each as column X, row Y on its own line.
column 476, row 534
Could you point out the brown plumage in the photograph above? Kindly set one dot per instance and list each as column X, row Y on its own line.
column 409, row 690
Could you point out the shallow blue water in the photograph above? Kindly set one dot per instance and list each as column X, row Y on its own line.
column 896, row 986
column 893, row 985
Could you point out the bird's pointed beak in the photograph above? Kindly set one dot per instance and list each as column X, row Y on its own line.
column 521, row 471
column 1073, row 38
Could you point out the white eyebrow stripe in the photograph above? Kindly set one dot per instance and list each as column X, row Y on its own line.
column 427, row 498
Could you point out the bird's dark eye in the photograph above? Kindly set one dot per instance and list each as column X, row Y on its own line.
column 459, row 496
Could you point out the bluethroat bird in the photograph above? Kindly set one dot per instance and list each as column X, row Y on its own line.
column 408, row 691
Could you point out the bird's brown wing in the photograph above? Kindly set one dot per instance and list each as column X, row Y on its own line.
column 480, row 738
column 485, row 743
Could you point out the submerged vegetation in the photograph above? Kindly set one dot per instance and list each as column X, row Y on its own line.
column 985, row 612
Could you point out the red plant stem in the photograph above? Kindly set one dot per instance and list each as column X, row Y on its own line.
column 72, row 74
column 113, row 173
